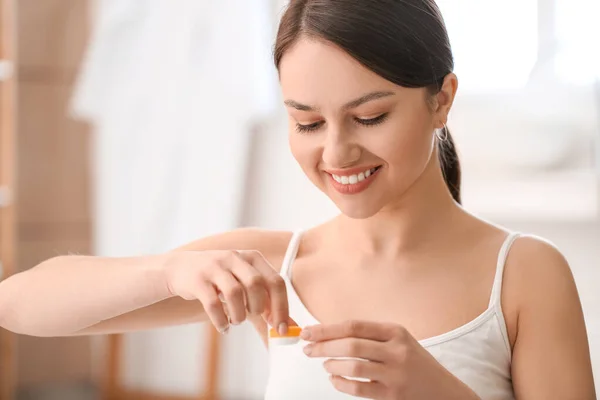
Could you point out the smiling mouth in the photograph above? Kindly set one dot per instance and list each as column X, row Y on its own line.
column 356, row 178
column 354, row 183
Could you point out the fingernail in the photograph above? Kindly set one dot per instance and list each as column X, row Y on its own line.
column 305, row 334
column 283, row 328
column 308, row 349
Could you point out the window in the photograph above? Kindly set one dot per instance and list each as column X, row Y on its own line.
column 578, row 33
column 527, row 116
column 494, row 46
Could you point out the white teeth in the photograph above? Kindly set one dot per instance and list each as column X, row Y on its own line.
column 353, row 179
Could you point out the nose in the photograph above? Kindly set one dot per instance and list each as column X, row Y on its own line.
column 339, row 150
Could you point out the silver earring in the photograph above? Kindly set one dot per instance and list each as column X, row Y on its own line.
column 442, row 134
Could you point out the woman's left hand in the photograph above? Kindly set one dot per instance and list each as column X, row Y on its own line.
column 395, row 364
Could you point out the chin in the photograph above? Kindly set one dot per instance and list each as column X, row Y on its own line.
column 359, row 214
column 364, row 204
column 356, row 209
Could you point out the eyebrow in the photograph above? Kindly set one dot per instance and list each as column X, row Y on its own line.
column 348, row 106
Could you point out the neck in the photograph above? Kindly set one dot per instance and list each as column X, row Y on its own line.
column 425, row 212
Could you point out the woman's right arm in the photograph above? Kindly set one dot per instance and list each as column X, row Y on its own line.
column 78, row 295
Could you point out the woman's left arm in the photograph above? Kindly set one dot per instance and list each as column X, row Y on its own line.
column 551, row 357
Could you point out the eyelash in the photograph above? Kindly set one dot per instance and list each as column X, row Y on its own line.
column 364, row 122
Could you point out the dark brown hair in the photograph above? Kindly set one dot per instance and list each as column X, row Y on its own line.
column 403, row 41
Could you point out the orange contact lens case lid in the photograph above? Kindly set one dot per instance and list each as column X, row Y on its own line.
column 293, row 331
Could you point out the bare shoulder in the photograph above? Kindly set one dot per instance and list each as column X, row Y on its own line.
column 537, row 278
column 271, row 244
column 542, row 297
column 537, row 264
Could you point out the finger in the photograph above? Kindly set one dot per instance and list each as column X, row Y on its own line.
column 358, row 329
column 213, row 307
column 277, row 306
column 348, row 347
column 233, row 293
column 368, row 390
column 266, row 317
column 254, row 285
column 355, row 369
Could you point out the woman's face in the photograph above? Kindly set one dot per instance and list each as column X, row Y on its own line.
column 359, row 138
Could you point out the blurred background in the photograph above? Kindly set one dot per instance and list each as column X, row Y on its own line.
column 131, row 127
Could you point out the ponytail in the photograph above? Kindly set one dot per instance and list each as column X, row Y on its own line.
column 450, row 164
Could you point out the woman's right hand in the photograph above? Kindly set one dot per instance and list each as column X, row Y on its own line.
column 243, row 280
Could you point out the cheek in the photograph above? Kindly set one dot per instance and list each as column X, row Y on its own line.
column 409, row 149
column 305, row 152
column 296, row 147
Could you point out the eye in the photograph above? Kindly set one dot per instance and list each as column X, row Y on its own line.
column 372, row 121
column 308, row 128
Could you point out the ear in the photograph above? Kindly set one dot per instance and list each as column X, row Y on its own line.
column 445, row 98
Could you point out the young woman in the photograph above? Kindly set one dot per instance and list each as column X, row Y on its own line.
column 404, row 295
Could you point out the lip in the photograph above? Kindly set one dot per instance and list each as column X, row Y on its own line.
column 354, row 188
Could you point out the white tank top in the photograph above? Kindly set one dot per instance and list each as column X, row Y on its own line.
column 478, row 353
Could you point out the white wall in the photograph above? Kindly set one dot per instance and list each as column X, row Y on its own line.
column 281, row 197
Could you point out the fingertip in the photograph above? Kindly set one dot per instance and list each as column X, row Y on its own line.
column 305, row 334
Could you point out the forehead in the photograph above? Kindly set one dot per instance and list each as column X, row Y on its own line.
column 317, row 72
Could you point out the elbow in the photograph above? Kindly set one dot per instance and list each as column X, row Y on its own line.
column 23, row 311
column 13, row 303
column 11, row 312
column 10, row 320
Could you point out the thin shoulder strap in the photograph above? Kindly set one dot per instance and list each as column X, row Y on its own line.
column 290, row 255
column 502, row 256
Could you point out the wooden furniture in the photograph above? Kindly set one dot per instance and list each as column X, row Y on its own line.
column 7, row 184
column 46, row 172
column 54, row 214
